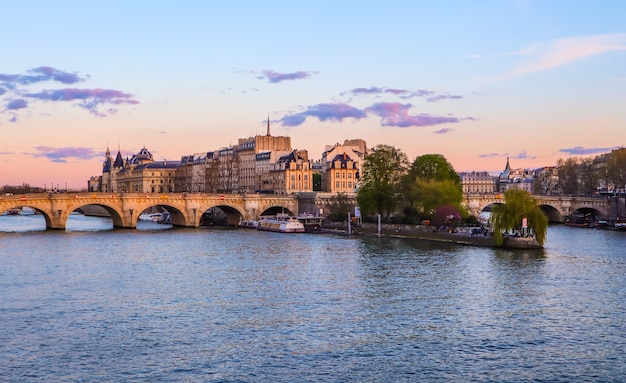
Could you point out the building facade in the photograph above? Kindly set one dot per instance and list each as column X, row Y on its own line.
column 341, row 175
column 138, row 174
column 477, row 182
column 354, row 151
column 259, row 164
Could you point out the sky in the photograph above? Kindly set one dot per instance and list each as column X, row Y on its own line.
column 476, row 81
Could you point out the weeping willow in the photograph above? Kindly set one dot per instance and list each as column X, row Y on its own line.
column 518, row 204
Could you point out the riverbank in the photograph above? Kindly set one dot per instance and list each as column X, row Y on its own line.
column 462, row 235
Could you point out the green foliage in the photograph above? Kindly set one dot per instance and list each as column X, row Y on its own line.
column 432, row 182
column 433, row 167
column 380, row 186
column 428, row 195
column 508, row 216
column 339, row 208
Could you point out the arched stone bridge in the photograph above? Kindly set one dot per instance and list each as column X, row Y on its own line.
column 125, row 208
column 555, row 207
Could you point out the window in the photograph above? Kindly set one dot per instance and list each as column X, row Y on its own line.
column 343, row 174
column 349, row 175
column 337, row 184
column 337, row 175
column 306, row 177
column 349, row 184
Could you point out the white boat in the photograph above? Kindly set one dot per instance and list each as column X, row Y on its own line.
column 281, row 223
column 248, row 223
column 164, row 218
column 152, row 217
column 312, row 223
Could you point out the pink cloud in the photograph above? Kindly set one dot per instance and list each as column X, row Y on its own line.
column 62, row 154
column 90, row 99
column 443, row 131
column 555, row 53
column 397, row 114
column 323, row 112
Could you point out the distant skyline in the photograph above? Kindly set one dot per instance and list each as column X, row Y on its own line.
column 477, row 82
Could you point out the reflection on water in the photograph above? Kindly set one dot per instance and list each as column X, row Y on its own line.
column 241, row 305
column 75, row 222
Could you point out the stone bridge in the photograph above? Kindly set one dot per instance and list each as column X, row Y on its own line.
column 125, row 208
column 555, row 207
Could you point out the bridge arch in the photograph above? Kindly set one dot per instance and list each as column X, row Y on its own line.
column 274, row 210
column 553, row 214
column 37, row 210
column 208, row 216
column 584, row 210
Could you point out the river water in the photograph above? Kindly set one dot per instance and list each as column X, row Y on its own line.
column 93, row 304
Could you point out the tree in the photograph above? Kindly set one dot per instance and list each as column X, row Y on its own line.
column 432, row 182
column 339, row 207
column 616, row 169
column 518, row 204
column 616, row 172
column 589, row 176
column 568, row 175
column 383, row 171
column 447, row 215
column 428, row 195
column 433, row 167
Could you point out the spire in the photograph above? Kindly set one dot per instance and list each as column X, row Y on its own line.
column 508, row 167
column 268, row 125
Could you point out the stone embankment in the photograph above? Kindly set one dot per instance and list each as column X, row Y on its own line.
column 462, row 236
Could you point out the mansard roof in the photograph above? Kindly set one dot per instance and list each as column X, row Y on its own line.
column 159, row 165
column 343, row 160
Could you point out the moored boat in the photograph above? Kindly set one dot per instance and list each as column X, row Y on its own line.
column 165, row 218
column 581, row 220
column 312, row 224
column 617, row 224
column 280, row 223
column 248, row 223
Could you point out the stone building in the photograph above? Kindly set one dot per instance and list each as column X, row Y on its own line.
column 355, row 150
column 518, row 178
column 341, row 175
column 139, row 174
column 292, row 173
column 247, row 150
column 259, row 164
column 477, row 182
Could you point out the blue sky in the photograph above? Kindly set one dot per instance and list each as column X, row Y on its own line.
column 476, row 81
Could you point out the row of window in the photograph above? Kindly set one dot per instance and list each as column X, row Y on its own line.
column 339, row 184
column 343, row 174
column 306, row 177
